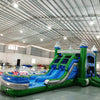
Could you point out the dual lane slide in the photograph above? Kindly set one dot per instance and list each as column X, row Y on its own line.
column 62, row 72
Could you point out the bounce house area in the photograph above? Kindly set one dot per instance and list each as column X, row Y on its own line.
column 68, row 68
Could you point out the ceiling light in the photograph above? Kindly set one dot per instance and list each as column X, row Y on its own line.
column 21, row 31
column 41, row 39
column 49, row 27
column 24, row 41
column 1, row 34
column 65, row 38
column 91, row 23
column 15, row 5
column 98, row 36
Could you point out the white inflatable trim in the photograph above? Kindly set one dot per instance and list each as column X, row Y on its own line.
column 46, row 81
column 87, row 81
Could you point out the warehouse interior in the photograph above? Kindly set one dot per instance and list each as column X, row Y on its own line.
column 30, row 31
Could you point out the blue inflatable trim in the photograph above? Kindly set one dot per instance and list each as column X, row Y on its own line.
column 95, row 51
column 57, row 48
column 83, row 46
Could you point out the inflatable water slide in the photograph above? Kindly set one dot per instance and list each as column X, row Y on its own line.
column 68, row 68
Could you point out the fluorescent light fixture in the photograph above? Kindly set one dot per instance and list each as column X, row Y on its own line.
column 98, row 36
column 65, row 38
column 92, row 23
column 1, row 34
column 49, row 27
column 15, row 5
column 21, row 31
column 41, row 39
column 24, row 41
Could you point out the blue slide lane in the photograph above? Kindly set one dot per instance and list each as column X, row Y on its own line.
column 39, row 84
column 53, row 67
column 74, row 72
column 54, row 75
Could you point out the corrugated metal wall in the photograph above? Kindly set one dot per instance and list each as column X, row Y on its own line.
column 30, row 51
column 35, row 51
column 2, row 48
column 39, row 52
column 21, row 50
column 51, row 54
column 98, row 57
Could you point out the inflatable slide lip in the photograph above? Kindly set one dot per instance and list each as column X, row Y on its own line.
column 15, row 79
column 14, row 85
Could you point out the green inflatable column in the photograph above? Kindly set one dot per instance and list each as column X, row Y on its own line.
column 57, row 47
column 82, row 80
column 94, row 49
column 83, row 55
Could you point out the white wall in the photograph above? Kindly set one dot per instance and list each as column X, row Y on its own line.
column 25, row 59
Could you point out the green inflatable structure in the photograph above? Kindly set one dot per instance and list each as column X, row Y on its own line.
column 68, row 68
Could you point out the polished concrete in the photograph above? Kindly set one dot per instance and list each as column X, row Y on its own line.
column 70, row 93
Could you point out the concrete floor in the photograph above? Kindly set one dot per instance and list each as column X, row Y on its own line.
column 70, row 93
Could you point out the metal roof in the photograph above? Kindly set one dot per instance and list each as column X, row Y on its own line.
column 75, row 19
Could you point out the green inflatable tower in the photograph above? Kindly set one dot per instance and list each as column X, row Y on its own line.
column 83, row 54
column 82, row 66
